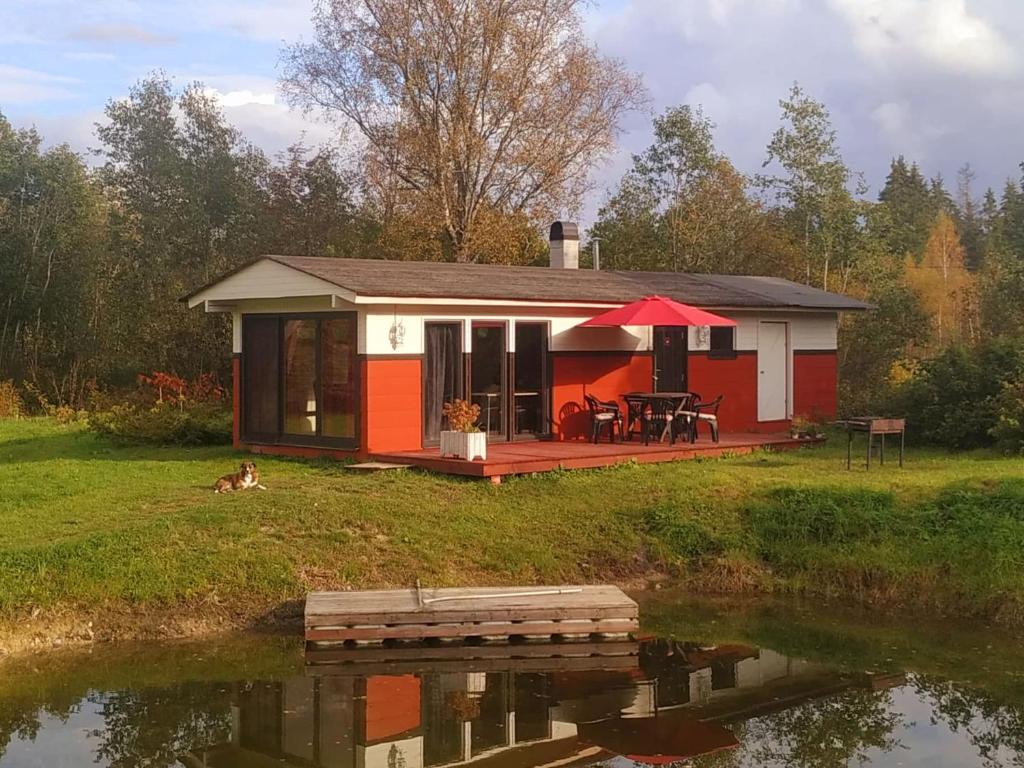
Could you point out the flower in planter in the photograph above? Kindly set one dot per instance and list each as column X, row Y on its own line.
column 462, row 416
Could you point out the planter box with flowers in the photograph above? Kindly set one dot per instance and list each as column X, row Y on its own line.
column 464, row 440
column 803, row 428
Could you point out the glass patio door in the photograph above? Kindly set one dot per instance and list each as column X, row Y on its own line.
column 488, row 376
column 530, row 379
column 442, row 375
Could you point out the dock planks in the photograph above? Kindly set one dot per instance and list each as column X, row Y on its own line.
column 333, row 617
column 404, row 659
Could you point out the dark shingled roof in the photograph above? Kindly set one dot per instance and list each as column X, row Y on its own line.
column 419, row 279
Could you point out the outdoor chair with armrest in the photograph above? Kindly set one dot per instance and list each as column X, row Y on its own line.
column 604, row 414
column 682, row 419
column 657, row 418
column 706, row 412
column 635, row 405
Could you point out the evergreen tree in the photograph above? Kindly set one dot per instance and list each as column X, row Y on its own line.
column 968, row 220
column 911, row 212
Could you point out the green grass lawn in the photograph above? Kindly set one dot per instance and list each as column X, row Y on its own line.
column 89, row 525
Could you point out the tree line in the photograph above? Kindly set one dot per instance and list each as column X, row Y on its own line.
column 94, row 259
column 477, row 124
column 944, row 268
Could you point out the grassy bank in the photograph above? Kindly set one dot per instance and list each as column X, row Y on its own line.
column 88, row 528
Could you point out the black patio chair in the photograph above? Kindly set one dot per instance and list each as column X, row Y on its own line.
column 707, row 413
column 634, row 414
column 604, row 414
column 658, row 416
column 683, row 419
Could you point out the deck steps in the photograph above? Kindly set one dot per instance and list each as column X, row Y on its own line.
column 479, row 614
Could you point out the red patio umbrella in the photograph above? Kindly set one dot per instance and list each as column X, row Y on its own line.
column 656, row 310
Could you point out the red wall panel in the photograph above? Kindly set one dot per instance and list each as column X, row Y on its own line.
column 736, row 380
column 815, row 380
column 393, row 405
column 392, row 706
column 606, row 376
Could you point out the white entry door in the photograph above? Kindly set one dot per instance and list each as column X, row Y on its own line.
column 772, row 369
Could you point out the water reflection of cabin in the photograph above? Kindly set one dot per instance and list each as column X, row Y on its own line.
column 511, row 718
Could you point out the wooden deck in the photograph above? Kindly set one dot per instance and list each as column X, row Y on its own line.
column 479, row 613
column 543, row 456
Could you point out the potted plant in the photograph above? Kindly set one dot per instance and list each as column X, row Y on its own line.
column 463, row 437
column 805, row 428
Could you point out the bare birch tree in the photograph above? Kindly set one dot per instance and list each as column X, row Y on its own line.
column 470, row 105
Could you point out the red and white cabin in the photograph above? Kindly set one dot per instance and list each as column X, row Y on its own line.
column 356, row 357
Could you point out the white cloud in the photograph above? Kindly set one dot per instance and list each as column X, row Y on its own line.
column 714, row 104
column 19, row 85
column 940, row 33
column 274, row 127
column 722, row 11
column 241, row 98
column 119, row 33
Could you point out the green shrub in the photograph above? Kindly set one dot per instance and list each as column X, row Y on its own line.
column 683, row 538
column 1008, row 431
column 956, row 399
column 165, row 423
column 11, row 404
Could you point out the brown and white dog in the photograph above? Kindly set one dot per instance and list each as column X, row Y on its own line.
column 245, row 478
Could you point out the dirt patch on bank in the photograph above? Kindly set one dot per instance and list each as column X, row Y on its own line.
column 67, row 627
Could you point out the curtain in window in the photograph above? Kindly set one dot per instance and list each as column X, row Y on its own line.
column 442, row 374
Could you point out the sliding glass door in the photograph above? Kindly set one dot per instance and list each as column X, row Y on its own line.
column 339, row 378
column 261, row 377
column 487, row 376
column 300, row 400
column 300, row 379
column 530, row 379
column 442, row 375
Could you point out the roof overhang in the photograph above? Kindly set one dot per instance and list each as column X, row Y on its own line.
column 287, row 281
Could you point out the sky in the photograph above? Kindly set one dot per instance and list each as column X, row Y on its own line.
column 939, row 81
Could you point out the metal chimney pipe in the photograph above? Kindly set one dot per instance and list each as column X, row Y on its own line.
column 597, row 252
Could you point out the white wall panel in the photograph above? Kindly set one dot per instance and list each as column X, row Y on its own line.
column 814, row 331
column 808, row 330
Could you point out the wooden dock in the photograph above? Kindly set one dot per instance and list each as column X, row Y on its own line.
column 480, row 613
column 419, row 658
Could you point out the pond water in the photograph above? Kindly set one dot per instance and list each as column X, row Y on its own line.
column 716, row 685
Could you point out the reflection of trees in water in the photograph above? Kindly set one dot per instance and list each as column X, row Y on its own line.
column 20, row 721
column 152, row 727
column 990, row 725
column 834, row 731
column 22, row 718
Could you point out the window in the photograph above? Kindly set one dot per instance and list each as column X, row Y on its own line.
column 300, row 381
column 723, row 341
column 300, row 400
column 338, row 364
column 260, row 376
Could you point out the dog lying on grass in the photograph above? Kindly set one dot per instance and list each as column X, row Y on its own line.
column 246, row 478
